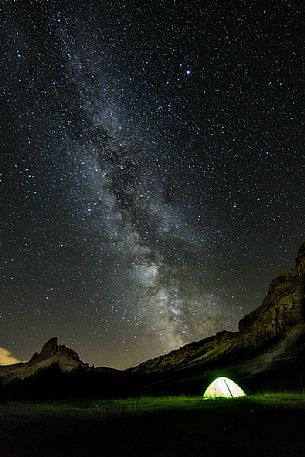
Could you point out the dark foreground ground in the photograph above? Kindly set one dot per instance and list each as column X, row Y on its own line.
column 261, row 426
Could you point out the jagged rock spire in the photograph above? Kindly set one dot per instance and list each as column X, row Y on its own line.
column 51, row 348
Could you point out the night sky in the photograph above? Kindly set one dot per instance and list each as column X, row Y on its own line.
column 152, row 169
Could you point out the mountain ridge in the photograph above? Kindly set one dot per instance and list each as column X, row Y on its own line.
column 282, row 309
column 267, row 338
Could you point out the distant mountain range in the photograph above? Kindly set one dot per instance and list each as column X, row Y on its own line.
column 267, row 352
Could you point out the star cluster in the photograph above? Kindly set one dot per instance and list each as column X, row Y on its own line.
column 152, row 169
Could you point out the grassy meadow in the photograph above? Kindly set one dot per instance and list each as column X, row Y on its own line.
column 263, row 425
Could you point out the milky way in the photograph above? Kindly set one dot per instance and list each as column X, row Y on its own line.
column 148, row 234
column 152, row 170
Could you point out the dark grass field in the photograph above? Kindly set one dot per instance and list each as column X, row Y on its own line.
column 261, row 426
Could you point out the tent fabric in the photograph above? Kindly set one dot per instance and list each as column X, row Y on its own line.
column 223, row 387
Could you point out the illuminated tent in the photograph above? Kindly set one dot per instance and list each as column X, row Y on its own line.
column 223, row 387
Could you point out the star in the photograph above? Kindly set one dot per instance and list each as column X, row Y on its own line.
column 151, row 173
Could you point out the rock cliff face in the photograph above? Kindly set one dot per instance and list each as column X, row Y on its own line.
column 267, row 336
column 282, row 309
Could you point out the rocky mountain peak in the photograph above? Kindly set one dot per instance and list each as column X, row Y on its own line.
column 51, row 352
column 51, row 348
